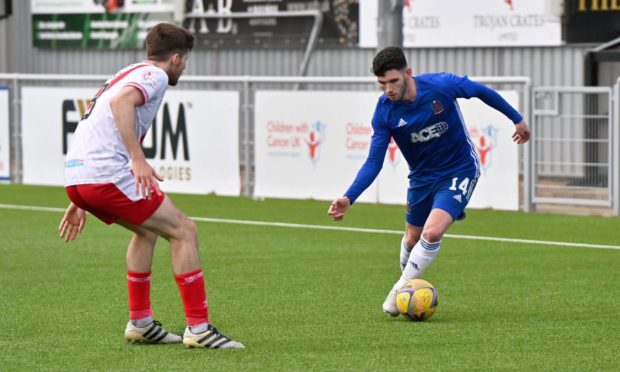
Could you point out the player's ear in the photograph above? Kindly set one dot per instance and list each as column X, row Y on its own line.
column 409, row 72
column 175, row 58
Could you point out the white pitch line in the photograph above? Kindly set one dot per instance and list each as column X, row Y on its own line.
column 349, row 229
column 400, row 232
column 31, row 208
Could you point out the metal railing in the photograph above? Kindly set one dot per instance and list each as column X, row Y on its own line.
column 572, row 158
column 536, row 171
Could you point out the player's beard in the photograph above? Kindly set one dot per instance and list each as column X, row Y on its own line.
column 403, row 89
column 173, row 80
column 401, row 92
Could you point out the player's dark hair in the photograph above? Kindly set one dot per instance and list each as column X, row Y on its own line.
column 165, row 39
column 390, row 58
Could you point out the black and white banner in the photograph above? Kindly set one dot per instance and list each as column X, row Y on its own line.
column 193, row 142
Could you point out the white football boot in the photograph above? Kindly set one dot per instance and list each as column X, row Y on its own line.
column 210, row 339
column 389, row 305
column 153, row 333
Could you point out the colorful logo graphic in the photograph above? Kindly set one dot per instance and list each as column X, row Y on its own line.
column 437, row 107
column 149, row 79
column 485, row 140
column 509, row 2
column 314, row 139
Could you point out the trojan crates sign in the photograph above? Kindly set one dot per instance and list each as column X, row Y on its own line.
column 193, row 142
column 315, row 149
column 454, row 23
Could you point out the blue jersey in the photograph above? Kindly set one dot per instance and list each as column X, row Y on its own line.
column 429, row 131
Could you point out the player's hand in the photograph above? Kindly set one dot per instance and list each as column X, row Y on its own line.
column 338, row 207
column 72, row 223
column 146, row 179
column 522, row 133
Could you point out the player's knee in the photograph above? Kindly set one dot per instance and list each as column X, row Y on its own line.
column 189, row 227
column 411, row 240
column 432, row 235
column 147, row 236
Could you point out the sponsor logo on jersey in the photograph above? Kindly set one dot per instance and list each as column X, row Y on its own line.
column 458, row 198
column 401, row 123
column 73, row 163
column 430, row 132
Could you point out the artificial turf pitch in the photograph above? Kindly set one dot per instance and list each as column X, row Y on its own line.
column 307, row 299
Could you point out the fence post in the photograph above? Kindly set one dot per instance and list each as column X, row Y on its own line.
column 527, row 148
column 615, row 145
column 247, row 107
column 17, row 169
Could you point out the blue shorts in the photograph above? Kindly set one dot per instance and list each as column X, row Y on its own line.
column 450, row 194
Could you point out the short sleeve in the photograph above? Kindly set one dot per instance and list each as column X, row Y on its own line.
column 149, row 80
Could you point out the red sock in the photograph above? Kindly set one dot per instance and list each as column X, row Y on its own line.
column 192, row 289
column 139, row 291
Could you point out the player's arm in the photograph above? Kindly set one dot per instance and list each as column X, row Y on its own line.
column 467, row 89
column 366, row 175
column 72, row 222
column 123, row 107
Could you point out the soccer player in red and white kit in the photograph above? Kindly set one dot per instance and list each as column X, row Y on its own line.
column 106, row 174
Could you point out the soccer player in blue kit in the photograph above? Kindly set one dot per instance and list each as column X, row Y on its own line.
column 423, row 116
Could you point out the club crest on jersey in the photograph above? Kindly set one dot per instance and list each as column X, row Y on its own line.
column 436, row 107
column 149, row 79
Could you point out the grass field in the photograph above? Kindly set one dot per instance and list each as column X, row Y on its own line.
column 309, row 299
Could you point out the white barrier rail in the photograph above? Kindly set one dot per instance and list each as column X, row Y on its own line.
column 247, row 86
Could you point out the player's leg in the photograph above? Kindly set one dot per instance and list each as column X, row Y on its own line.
column 449, row 202
column 419, row 205
column 421, row 256
column 410, row 239
column 427, row 247
column 148, row 218
column 449, row 198
column 110, row 204
column 141, row 327
column 172, row 224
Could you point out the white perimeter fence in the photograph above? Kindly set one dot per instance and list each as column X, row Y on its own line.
column 573, row 158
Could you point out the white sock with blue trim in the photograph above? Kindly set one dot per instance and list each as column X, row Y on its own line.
column 422, row 255
column 404, row 254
